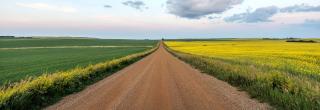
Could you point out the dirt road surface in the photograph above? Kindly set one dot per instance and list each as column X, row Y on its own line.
column 159, row 82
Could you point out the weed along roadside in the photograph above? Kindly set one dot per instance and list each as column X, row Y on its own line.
column 280, row 90
column 35, row 93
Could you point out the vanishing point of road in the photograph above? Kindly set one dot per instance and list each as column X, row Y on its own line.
column 159, row 81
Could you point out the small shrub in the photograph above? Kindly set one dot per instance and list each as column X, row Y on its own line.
column 279, row 81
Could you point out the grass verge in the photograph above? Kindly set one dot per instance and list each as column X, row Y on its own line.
column 280, row 90
column 35, row 93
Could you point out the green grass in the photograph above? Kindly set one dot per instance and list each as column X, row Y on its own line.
column 17, row 64
column 36, row 93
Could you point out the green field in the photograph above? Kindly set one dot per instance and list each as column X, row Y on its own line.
column 18, row 60
column 50, row 42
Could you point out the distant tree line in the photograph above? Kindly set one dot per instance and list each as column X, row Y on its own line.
column 292, row 39
column 297, row 40
column 13, row 37
column 7, row 37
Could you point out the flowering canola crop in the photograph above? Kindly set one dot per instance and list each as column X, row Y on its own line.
column 301, row 59
column 284, row 74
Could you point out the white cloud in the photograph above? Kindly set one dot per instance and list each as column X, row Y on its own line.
column 44, row 6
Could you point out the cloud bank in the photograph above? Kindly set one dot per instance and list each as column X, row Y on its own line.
column 195, row 9
column 264, row 14
column 300, row 8
column 259, row 15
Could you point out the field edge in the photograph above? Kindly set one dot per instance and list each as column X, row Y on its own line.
column 48, row 89
column 262, row 93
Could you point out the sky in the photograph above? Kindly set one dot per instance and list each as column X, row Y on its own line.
column 154, row 19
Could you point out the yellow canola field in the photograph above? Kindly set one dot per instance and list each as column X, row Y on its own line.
column 288, row 57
